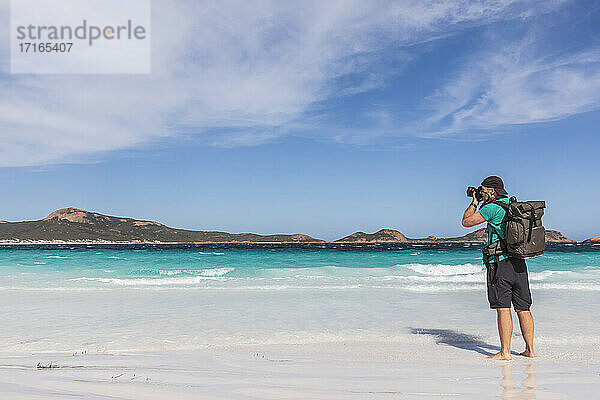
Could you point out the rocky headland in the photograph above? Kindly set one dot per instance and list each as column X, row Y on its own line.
column 593, row 240
column 73, row 225
column 477, row 236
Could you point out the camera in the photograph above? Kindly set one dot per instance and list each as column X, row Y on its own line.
column 478, row 192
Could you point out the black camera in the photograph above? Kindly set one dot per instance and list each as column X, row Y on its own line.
column 478, row 192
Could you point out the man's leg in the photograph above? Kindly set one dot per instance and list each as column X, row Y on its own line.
column 505, row 328
column 526, row 324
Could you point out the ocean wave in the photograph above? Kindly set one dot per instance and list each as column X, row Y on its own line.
column 443, row 269
column 461, row 272
column 171, row 272
column 464, row 278
column 543, row 275
column 443, row 273
column 202, row 272
column 56, row 257
column 416, row 277
column 216, row 271
column 189, row 280
column 198, row 277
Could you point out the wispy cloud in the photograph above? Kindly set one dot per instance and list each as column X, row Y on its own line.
column 515, row 84
column 241, row 73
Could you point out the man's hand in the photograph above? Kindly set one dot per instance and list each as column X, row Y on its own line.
column 471, row 217
column 475, row 201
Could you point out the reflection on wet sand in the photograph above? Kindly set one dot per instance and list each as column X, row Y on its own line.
column 529, row 384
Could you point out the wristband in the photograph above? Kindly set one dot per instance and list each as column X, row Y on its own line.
column 475, row 205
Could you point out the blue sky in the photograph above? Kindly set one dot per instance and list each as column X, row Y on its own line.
column 318, row 118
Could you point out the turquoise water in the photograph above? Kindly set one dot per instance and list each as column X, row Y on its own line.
column 105, row 298
column 411, row 267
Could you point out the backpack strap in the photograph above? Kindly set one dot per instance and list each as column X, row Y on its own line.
column 501, row 204
column 531, row 222
column 503, row 243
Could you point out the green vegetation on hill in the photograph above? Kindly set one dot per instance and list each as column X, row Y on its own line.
column 73, row 225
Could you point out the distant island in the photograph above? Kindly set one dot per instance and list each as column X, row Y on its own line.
column 594, row 240
column 72, row 225
column 478, row 236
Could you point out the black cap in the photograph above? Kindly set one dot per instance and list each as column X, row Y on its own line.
column 496, row 183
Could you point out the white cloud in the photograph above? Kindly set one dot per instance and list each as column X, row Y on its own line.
column 515, row 84
column 247, row 70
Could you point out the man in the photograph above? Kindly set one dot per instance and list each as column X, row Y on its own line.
column 507, row 279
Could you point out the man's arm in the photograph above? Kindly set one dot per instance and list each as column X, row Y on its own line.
column 471, row 217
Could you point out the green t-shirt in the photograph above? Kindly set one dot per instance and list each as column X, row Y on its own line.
column 494, row 214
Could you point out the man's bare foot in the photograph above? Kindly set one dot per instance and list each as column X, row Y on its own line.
column 528, row 353
column 500, row 356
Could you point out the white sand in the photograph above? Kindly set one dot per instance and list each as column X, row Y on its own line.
column 356, row 344
column 317, row 371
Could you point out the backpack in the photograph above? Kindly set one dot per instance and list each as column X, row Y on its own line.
column 525, row 234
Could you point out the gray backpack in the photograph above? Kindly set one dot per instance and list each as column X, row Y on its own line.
column 525, row 235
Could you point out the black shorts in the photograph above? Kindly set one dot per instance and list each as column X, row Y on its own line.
column 507, row 282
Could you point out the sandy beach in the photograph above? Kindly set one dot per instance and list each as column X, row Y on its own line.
column 294, row 324
column 317, row 371
column 429, row 356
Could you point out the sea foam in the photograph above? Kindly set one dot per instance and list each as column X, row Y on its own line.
column 190, row 280
column 443, row 269
column 202, row 272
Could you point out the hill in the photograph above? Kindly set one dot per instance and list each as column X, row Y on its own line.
column 557, row 237
column 381, row 236
column 394, row 236
column 75, row 225
column 593, row 240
